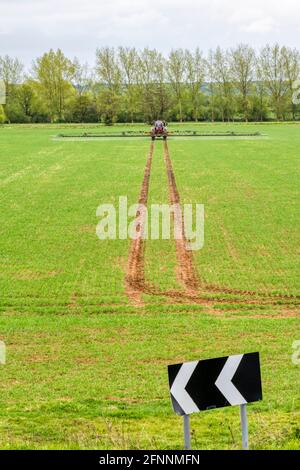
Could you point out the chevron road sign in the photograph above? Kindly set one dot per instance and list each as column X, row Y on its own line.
column 215, row 383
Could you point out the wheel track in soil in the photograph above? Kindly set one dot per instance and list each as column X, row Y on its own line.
column 135, row 276
column 194, row 292
column 186, row 272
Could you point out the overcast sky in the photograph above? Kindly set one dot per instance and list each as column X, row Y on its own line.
column 30, row 27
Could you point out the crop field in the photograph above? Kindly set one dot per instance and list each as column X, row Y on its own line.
column 90, row 325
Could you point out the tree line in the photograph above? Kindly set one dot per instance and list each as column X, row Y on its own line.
column 130, row 85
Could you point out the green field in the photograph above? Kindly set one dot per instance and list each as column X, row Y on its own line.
column 87, row 367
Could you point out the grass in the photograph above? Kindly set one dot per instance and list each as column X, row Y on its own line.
column 249, row 189
column 85, row 367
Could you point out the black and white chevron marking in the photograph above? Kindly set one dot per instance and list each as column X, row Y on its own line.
column 215, row 383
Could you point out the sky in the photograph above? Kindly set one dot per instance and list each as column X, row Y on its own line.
column 28, row 28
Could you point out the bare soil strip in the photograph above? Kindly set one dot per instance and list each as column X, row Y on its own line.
column 227, row 290
column 186, row 271
column 135, row 277
column 208, row 298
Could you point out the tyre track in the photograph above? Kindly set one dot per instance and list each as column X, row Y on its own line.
column 186, row 270
column 211, row 288
column 135, row 276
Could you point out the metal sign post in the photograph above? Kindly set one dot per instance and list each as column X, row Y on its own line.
column 215, row 383
column 187, row 432
column 244, row 424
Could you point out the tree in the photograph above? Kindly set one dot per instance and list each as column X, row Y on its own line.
column 195, row 74
column 129, row 85
column 222, row 75
column 25, row 94
column 152, row 81
column 54, row 73
column 161, row 91
column 109, row 72
column 291, row 63
column 273, row 73
column 108, row 69
column 176, row 68
column 11, row 71
column 109, row 106
column 2, row 115
column 82, row 77
column 259, row 104
column 129, row 60
column 243, row 67
column 84, row 109
column 211, row 84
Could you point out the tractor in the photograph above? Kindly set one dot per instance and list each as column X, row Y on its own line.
column 159, row 129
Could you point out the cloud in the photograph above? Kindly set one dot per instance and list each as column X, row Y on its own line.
column 262, row 25
column 30, row 27
column 254, row 20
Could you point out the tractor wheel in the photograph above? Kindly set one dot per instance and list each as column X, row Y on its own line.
column 165, row 137
column 153, row 137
